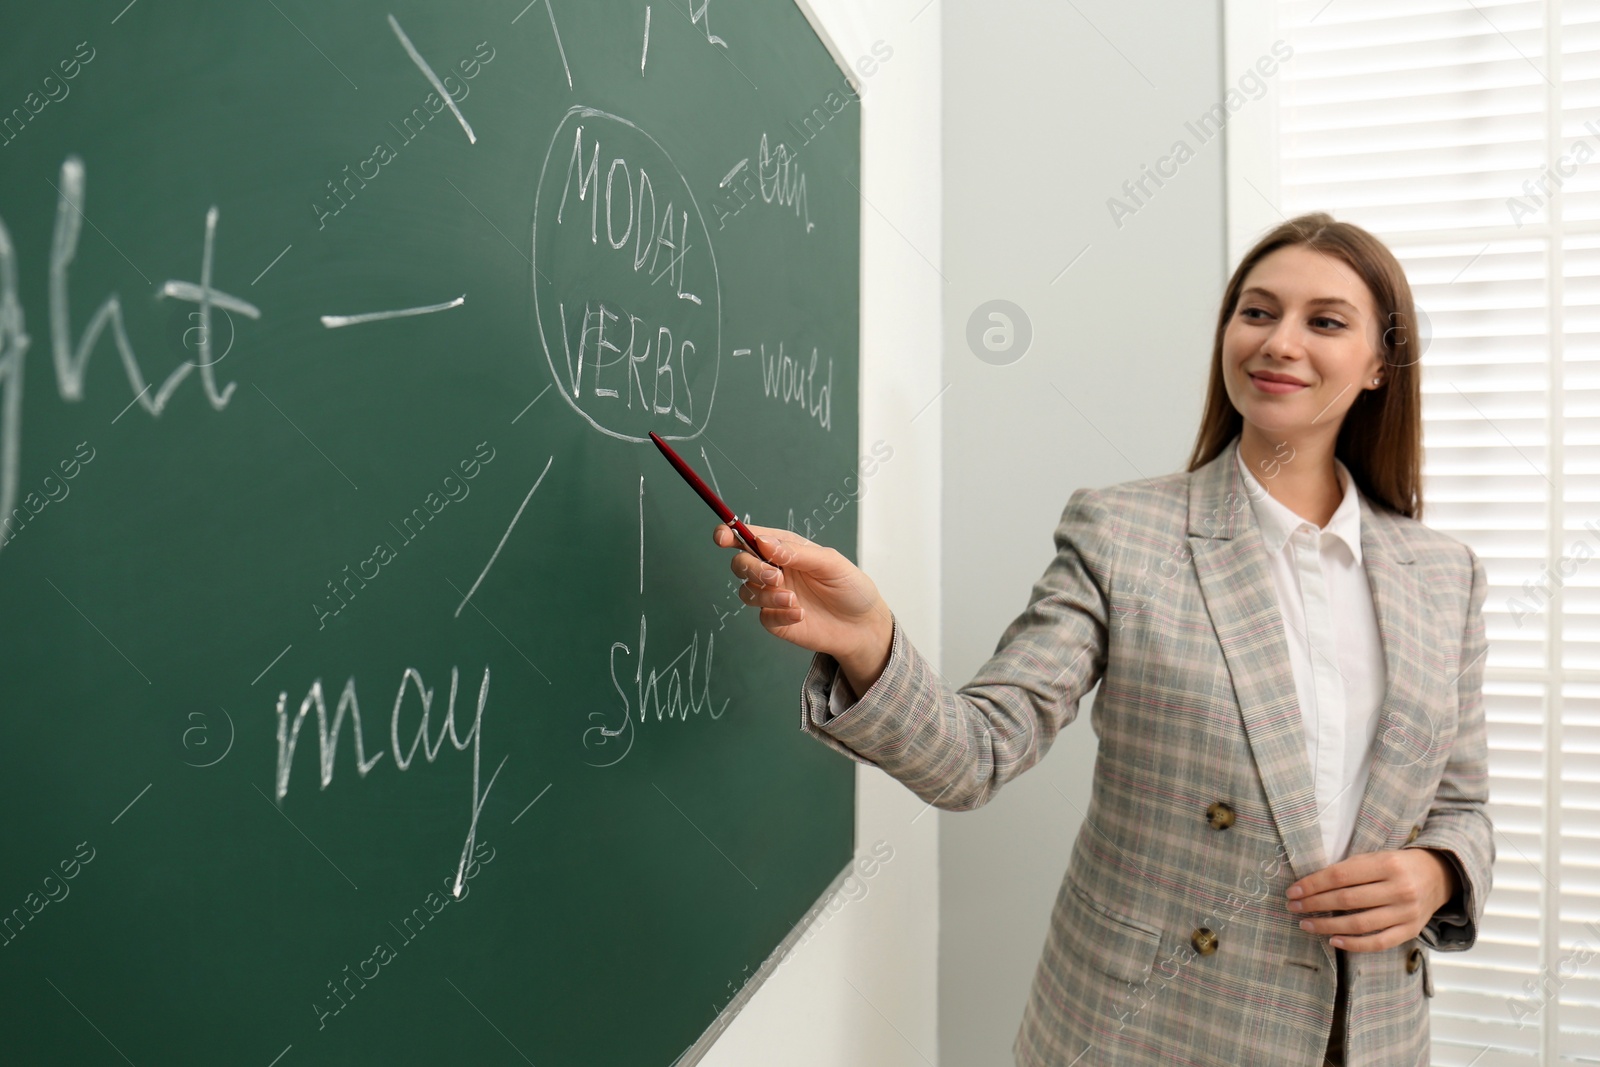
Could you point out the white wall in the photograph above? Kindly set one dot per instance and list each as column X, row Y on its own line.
column 1048, row 109
column 861, row 990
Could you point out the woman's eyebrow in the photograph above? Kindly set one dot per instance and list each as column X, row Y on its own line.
column 1314, row 300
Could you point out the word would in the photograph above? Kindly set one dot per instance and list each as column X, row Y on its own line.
column 54, row 492
column 71, row 361
column 1580, row 152
column 1211, row 123
column 55, row 891
column 738, row 182
column 55, row 90
column 867, row 467
column 288, row 737
column 849, row 891
column 677, row 700
column 783, row 379
column 383, row 153
column 384, row 953
column 410, row 528
column 593, row 322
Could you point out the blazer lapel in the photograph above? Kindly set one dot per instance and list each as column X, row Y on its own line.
column 1236, row 583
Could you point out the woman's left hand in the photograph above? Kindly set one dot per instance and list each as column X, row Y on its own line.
column 1386, row 897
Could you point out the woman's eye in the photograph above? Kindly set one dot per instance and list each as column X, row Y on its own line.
column 1246, row 313
column 1334, row 323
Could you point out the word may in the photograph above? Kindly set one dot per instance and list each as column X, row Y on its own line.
column 1211, row 122
column 384, row 553
column 54, row 491
column 384, row 953
column 677, row 701
column 850, row 890
column 1580, row 152
column 288, row 736
column 34, row 904
column 33, row 103
column 867, row 467
column 383, row 153
column 783, row 378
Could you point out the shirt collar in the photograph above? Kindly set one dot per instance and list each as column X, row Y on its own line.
column 1278, row 522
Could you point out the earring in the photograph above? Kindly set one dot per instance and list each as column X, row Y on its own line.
column 1375, row 381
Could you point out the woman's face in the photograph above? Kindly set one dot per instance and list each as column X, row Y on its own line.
column 1305, row 316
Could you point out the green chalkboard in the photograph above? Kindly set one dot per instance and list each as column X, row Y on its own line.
column 373, row 690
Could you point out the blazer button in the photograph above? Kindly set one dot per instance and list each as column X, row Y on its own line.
column 1413, row 961
column 1415, row 830
column 1219, row 815
column 1203, row 940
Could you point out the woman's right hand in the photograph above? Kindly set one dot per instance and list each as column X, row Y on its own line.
column 815, row 598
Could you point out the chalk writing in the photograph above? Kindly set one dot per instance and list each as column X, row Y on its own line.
column 783, row 378
column 649, row 274
column 328, row 739
column 668, row 693
column 342, row 191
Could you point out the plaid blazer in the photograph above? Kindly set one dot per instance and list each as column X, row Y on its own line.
column 1170, row 941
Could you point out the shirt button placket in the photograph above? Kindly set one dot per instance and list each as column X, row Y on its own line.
column 1324, row 659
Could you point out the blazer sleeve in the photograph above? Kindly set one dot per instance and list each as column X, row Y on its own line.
column 1457, row 824
column 955, row 747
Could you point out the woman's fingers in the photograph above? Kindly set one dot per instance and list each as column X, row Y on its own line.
column 767, row 598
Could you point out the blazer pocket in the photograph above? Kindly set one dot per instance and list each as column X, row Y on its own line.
column 1114, row 943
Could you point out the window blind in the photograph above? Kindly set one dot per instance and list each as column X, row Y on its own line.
column 1466, row 135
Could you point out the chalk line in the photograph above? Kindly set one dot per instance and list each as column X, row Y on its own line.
column 422, row 65
column 502, row 544
column 333, row 322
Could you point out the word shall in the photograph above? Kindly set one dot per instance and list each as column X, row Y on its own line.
column 33, row 103
column 289, row 735
column 410, row 927
column 34, row 903
column 54, row 492
column 409, row 529
column 383, row 153
column 668, row 693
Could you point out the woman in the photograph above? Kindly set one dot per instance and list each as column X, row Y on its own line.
column 1288, row 800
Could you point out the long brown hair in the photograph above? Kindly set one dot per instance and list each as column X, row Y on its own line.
column 1380, row 440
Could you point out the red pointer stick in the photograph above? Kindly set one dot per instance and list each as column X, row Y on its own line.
column 724, row 512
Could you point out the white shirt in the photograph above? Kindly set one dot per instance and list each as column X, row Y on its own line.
column 1334, row 649
column 1335, row 652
